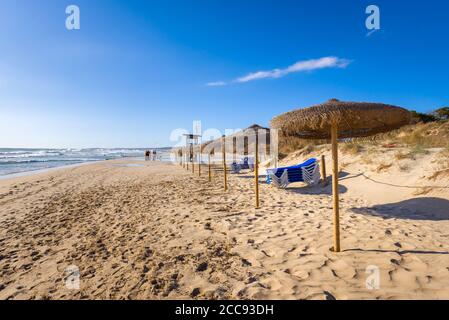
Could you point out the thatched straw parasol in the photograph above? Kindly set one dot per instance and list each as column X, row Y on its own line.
column 337, row 119
column 354, row 119
column 243, row 142
column 240, row 142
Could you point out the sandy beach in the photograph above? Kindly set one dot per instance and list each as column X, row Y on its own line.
column 155, row 231
column 328, row 128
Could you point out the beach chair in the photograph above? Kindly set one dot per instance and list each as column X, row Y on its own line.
column 308, row 172
column 235, row 168
column 245, row 164
column 248, row 163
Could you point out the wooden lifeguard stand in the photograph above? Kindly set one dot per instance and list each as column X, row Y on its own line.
column 192, row 140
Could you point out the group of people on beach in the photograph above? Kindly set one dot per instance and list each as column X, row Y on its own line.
column 150, row 155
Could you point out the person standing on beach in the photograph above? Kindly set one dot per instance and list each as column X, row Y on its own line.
column 154, row 155
column 147, row 155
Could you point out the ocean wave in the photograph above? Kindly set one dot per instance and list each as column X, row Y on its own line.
column 30, row 155
column 25, row 161
column 21, row 160
column 69, row 153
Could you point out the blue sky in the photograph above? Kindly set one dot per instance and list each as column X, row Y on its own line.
column 138, row 69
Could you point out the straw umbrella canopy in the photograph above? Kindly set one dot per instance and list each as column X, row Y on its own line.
column 243, row 142
column 354, row 119
column 336, row 119
column 239, row 138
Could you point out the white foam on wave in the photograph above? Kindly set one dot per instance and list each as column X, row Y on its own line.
column 22, row 160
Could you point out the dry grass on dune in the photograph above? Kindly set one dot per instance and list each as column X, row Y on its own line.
column 417, row 138
column 412, row 153
column 440, row 173
column 425, row 135
column 444, row 158
column 351, row 147
column 291, row 144
column 384, row 166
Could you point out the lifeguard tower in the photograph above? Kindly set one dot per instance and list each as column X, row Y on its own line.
column 192, row 140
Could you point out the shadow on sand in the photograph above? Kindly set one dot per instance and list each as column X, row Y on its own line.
column 303, row 188
column 317, row 190
column 427, row 208
column 400, row 252
column 250, row 175
column 320, row 189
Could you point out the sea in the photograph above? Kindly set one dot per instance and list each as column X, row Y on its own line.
column 16, row 161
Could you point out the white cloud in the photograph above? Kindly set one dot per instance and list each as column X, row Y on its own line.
column 300, row 66
column 216, row 84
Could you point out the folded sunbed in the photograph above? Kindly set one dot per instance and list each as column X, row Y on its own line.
column 308, row 172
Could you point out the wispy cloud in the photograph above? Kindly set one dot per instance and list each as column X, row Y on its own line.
column 300, row 66
column 216, row 84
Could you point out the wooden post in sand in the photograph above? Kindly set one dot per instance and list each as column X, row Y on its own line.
column 193, row 160
column 334, row 138
column 256, row 171
column 199, row 161
column 234, row 150
column 225, row 173
column 323, row 169
column 210, row 168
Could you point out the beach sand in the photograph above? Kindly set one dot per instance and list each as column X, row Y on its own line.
column 158, row 232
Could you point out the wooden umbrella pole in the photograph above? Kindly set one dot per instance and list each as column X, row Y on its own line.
column 234, row 150
column 199, row 161
column 335, row 191
column 210, row 169
column 193, row 161
column 256, row 172
column 323, row 169
column 225, row 175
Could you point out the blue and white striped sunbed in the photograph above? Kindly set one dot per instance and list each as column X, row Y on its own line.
column 308, row 172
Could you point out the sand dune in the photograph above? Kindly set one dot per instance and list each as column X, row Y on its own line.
column 158, row 232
